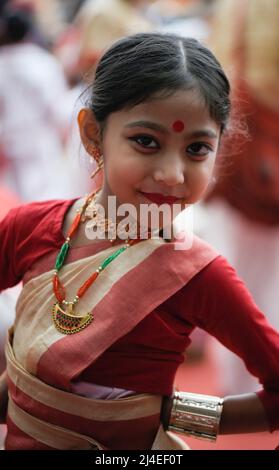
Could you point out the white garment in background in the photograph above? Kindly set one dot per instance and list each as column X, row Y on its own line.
column 188, row 28
column 253, row 250
column 8, row 300
column 186, row 22
column 33, row 123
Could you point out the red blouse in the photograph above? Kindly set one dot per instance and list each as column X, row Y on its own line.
column 147, row 358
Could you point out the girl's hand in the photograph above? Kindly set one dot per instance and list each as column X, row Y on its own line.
column 3, row 397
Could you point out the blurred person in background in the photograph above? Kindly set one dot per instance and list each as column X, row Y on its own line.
column 8, row 298
column 50, row 18
column 245, row 199
column 33, row 124
column 70, row 9
column 188, row 18
column 96, row 25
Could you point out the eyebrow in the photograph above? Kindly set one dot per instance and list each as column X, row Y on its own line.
column 148, row 124
column 204, row 133
column 158, row 127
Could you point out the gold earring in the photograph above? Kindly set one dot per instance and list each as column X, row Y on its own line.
column 100, row 165
column 96, row 155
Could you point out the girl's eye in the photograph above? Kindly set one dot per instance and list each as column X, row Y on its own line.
column 145, row 141
column 199, row 149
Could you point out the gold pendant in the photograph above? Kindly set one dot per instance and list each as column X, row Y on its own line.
column 67, row 322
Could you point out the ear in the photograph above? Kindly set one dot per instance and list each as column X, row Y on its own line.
column 89, row 129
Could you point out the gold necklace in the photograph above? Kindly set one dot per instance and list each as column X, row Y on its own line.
column 66, row 320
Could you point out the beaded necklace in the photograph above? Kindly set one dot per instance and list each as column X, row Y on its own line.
column 65, row 319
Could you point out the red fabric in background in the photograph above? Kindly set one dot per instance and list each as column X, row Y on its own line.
column 7, row 201
column 248, row 176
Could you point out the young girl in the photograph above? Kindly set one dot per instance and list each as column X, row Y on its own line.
column 102, row 324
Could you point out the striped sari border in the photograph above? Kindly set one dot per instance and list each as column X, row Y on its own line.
column 129, row 408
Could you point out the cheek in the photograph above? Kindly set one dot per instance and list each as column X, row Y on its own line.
column 200, row 179
column 123, row 174
column 123, row 167
column 132, row 171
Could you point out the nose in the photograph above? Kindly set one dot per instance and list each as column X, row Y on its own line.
column 169, row 172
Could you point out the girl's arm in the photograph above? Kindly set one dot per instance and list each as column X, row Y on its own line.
column 217, row 301
column 3, row 397
column 243, row 414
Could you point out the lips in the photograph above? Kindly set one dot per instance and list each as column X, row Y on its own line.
column 160, row 198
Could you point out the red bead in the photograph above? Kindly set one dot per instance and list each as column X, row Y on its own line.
column 74, row 225
column 59, row 290
column 178, row 126
column 87, row 284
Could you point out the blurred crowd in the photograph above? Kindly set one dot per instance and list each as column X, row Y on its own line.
column 48, row 52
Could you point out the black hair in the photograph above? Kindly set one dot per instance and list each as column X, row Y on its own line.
column 137, row 67
column 16, row 23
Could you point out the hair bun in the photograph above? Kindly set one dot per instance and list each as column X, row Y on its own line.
column 18, row 24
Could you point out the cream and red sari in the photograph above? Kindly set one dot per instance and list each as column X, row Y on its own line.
column 43, row 363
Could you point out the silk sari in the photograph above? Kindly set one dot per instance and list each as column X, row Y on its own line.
column 43, row 363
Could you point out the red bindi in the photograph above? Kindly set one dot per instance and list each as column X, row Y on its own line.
column 178, row 126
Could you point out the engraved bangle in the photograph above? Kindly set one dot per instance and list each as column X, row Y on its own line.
column 196, row 415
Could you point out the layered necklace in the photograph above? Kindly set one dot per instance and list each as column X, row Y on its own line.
column 66, row 318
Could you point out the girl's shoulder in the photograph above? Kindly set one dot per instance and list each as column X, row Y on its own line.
column 27, row 233
column 39, row 219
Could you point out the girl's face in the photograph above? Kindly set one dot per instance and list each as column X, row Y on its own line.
column 165, row 146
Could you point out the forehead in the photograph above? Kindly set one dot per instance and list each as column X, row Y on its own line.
column 187, row 107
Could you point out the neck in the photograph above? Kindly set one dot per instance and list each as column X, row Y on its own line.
column 102, row 200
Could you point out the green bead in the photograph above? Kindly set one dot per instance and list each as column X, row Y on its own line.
column 112, row 257
column 61, row 256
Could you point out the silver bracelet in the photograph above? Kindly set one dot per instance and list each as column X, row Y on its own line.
column 196, row 415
